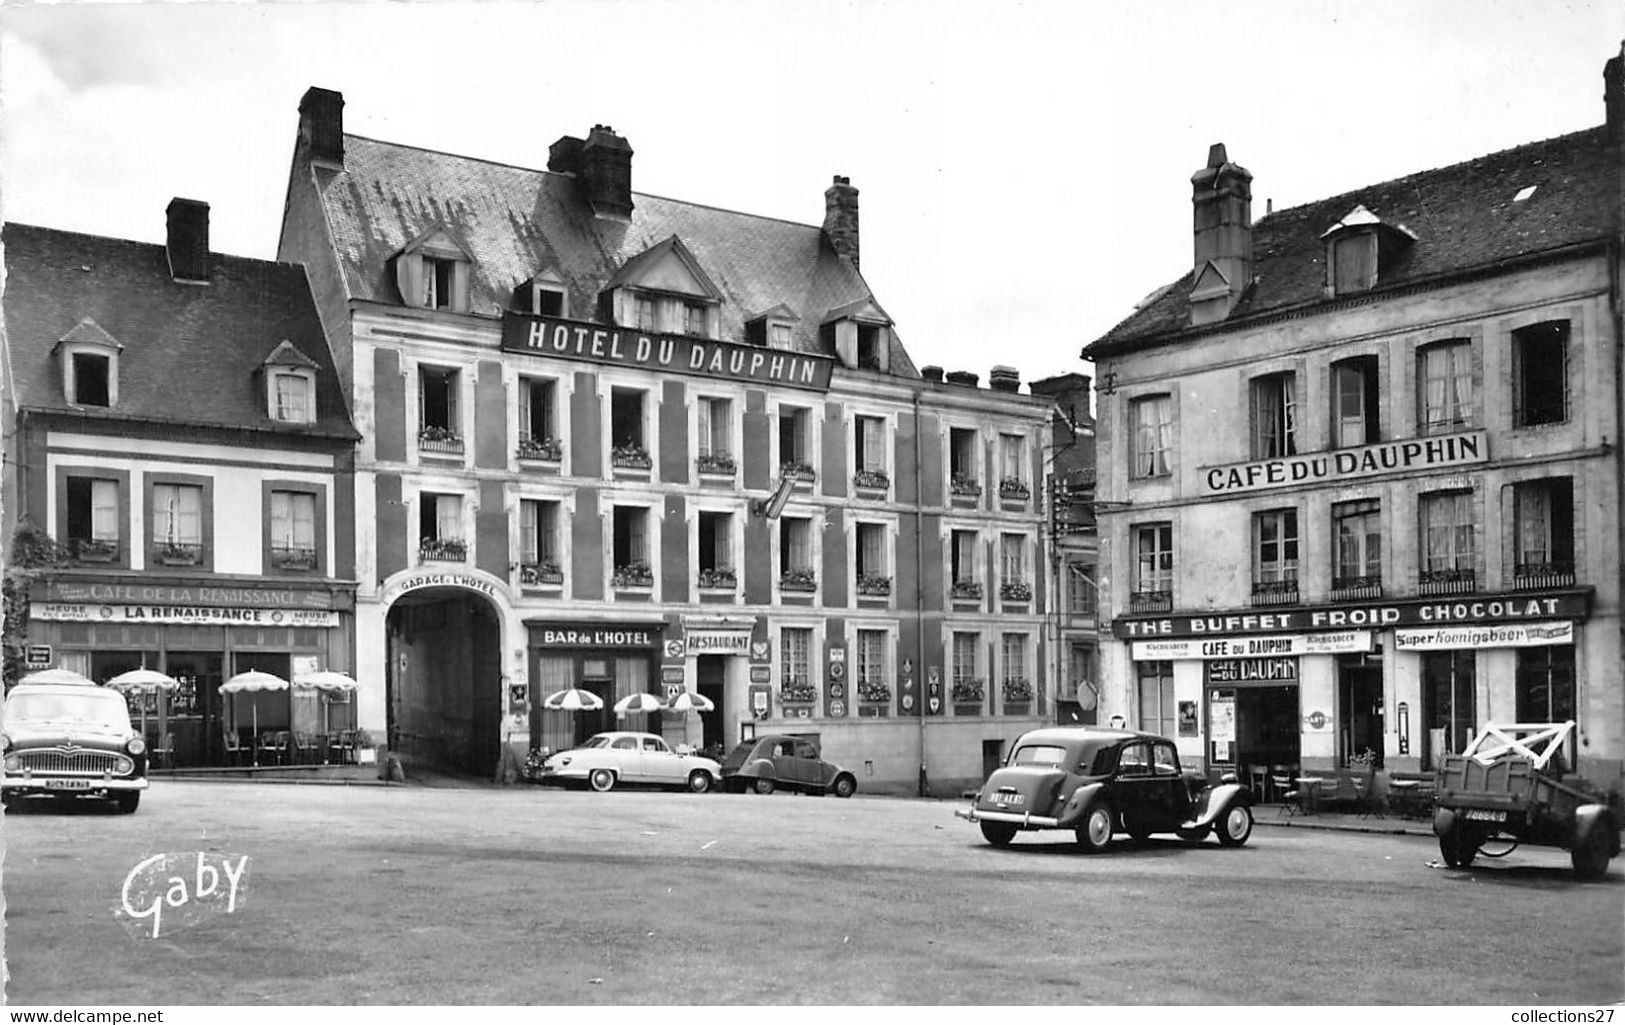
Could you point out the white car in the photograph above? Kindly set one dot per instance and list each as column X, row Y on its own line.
column 642, row 758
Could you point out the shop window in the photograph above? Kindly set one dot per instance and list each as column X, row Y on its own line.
column 539, row 556
column 1543, row 516
column 1080, row 589
column 964, row 471
column 92, row 529
column 293, row 530
column 1540, row 373
column 1448, row 545
column 1152, row 439
column 439, row 425
column 1154, row 693
column 796, row 569
column 1274, row 416
column 872, row 570
column 92, row 378
column 1449, row 695
column 1355, row 402
column 1013, row 467
column 1015, row 670
column 1447, row 389
column 177, row 524
column 1275, row 557
column 968, row 687
column 962, row 573
column 538, row 419
column 1357, row 544
column 1545, row 683
column 795, row 442
column 1153, row 568
column 440, row 528
column 796, row 682
column 716, row 429
column 1014, row 583
column 716, row 562
column 869, row 452
column 630, row 556
column 627, row 429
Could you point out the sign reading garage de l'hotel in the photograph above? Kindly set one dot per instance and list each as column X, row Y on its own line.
column 705, row 357
column 1389, row 457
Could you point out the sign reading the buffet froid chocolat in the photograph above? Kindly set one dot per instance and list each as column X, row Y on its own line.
column 1389, row 457
column 1498, row 608
column 599, row 343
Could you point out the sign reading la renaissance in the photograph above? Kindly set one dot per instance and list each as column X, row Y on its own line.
column 190, row 615
column 1348, row 464
column 598, row 343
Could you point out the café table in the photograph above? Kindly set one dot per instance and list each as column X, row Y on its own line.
column 1309, row 789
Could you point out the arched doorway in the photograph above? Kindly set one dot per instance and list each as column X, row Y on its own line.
column 443, row 680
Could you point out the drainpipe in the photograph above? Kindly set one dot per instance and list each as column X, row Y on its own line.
column 1616, row 265
column 919, row 591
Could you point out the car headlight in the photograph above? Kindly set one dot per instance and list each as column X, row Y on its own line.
column 13, row 763
column 136, row 745
column 5, row 742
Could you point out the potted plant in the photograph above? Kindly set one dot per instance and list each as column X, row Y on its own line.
column 635, row 574
column 969, row 691
column 871, row 479
column 1017, row 689
column 548, row 449
column 798, row 470
column 631, row 455
column 1013, row 487
column 718, row 578
column 433, row 434
column 443, row 549
column 1016, row 590
column 969, row 589
column 797, row 690
column 873, row 583
column 873, row 691
column 544, row 572
column 798, row 580
column 715, row 462
column 964, row 484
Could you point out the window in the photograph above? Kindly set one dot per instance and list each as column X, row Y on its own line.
column 796, row 572
column 547, row 300
column 1015, row 683
column 1013, row 581
column 1012, row 466
column 1153, row 435
column 715, row 435
column 1274, row 416
column 645, row 313
column 1545, row 683
column 630, row 556
column 1540, row 372
column 967, row 686
column 1155, row 691
column 626, row 429
column 440, row 527
column 1154, row 559
column 716, row 563
column 438, row 421
column 432, row 273
column 869, row 455
column 538, row 433
column 963, row 471
column 1449, row 695
column 177, row 523
column 779, row 336
column 92, row 375
column 1447, row 539
column 1357, row 541
column 871, row 666
column 293, row 529
column 695, row 318
column 93, row 519
column 795, row 664
column 795, row 443
column 1354, row 402
column 293, row 398
column 1445, row 381
column 1543, row 514
column 539, row 561
column 962, row 564
column 873, row 574
column 1275, row 545
column 1354, row 262
column 870, row 340
column 437, row 282
column 1080, row 589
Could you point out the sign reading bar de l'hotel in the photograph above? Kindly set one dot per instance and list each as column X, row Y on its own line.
column 704, row 357
column 1390, row 457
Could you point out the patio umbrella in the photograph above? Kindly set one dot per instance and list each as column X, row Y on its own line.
column 58, row 676
column 328, row 681
column 573, row 700
column 690, row 701
column 143, row 681
column 252, row 681
column 638, row 704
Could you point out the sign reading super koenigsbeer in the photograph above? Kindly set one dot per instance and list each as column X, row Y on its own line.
column 1463, row 449
column 599, row 343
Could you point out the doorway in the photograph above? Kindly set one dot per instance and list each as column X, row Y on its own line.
column 196, row 709
column 710, row 679
column 1359, row 707
column 1449, row 703
column 443, row 681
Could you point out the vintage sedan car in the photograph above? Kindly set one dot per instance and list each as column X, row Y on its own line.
column 1102, row 782
column 772, row 762
column 608, row 759
column 71, row 741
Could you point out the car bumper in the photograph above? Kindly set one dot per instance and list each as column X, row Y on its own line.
column 1026, row 820
column 67, row 786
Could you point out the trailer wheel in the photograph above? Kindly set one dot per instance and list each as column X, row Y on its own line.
column 1590, row 856
column 1459, row 845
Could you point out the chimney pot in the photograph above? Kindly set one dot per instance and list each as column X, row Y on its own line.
column 932, row 374
column 841, row 217
column 187, row 244
column 1002, row 378
column 963, row 377
column 321, row 126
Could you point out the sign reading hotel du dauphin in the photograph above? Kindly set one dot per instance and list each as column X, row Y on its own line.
column 704, row 357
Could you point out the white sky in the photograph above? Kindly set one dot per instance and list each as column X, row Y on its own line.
column 1023, row 167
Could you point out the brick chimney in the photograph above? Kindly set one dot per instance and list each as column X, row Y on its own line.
column 1222, row 195
column 606, row 173
column 841, row 218
column 188, row 240
column 321, row 126
column 1613, row 95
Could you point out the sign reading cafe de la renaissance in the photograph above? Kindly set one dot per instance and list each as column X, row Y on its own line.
column 1387, row 457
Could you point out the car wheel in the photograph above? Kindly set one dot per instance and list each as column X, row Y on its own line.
column 699, row 781
column 1096, row 831
column 128, row 802
column 1237, row 825
column 845, row 786
column 1590, row 858
column 601, row 780
column 1458, row 845
column 764, row 786
column 999, row 834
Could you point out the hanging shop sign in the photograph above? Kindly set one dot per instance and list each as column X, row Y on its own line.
column 1511, row 635
column 1333, row 643
column 593, row 635
column 1253, row 670
column 1523, row 606
column 704, row 357
column 188, row 615
column 1465, row 449
column 716, row 642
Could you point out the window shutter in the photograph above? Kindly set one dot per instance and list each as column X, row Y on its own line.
column 409, row 278
column 526, row 427
column 459, row 287
column 529, row 530
column 104, row 510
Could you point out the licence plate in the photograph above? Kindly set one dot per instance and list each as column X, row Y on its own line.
column 1009, row 799
column 67, row 784
column 1484, row 815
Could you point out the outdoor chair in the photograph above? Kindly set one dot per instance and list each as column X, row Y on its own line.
column 1290, row 796
column 164, row 754
column 304, row 747
column 1376, row 797
column 234, row 747
column 344, row 747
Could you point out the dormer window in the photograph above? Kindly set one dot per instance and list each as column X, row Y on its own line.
column 290, row 385
column 1354, row 262
column 432, row 273
column 91, row 376
column 774, row 328
column 1360, row 248
column 665, row 289
column 547, row 301
column 860, row 334
column 778, row 334
column 870, row 338
column 89, row 365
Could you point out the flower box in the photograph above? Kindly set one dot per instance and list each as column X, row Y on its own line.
column 874, row 585
column 873, row 693
column 638, row 574
column 798, row 692
column 798, row 471
column 180, row 554
column 1018, row 688
column 871, row 480
column 969, row 692
column 798, row 580
column 1016, row 590
column 441, row 440
column 1011, row 487
column 93, row 550
column 964, row 484
column 969, row 590
column 546, row 449
column 718, row 579
column 293, row 558
column 631, row 457
column 715, row 462
column 540, row 574
column 443, row 549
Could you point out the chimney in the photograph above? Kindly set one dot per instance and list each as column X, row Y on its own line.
column 932, row 374
column 606, row 172
column 1613, row 96
column 1003, row 378
column 1222, row 195
column 963, row 377
column 321, row 126
column 188, row 240
column 841, row 218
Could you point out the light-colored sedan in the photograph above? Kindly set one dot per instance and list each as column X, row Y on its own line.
column 607, row 759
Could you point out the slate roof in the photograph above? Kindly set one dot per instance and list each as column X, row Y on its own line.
column 1463, row 217
column 189, row 352
column 515, row 222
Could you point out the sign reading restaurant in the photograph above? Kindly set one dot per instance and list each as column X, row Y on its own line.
column 1534, row 605
column 597, row 343
column 1348, row 464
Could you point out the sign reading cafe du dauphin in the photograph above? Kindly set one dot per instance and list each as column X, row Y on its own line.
column 598, row 343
